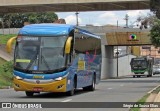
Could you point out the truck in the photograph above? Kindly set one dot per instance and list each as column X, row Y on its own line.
column 141, row 66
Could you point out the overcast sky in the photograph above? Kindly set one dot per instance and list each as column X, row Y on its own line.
column 102, row 17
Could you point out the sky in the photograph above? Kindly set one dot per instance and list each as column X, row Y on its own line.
column 100, row 18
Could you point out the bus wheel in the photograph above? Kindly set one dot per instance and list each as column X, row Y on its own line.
column 72, row 91
column 29, row 94
column 148, row 75
column 92, row 87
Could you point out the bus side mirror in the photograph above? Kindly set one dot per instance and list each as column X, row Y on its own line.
column 9, row 44
column 68, row 45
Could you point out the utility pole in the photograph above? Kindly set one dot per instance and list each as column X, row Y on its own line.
column 117, row 53
column 126, row 18
column 77, row 18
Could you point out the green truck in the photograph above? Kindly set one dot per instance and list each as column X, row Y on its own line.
column 142, row 66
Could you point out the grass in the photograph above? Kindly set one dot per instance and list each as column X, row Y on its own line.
column 2, row 61
column 142, row 101
column 5, row 75
column 144, row 98
column 5, row 38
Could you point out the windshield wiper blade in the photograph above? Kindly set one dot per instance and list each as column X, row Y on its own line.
column 32, row 61
column 45, row 62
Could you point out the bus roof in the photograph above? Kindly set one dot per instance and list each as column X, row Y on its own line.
column 46, row 29
column 52, row 29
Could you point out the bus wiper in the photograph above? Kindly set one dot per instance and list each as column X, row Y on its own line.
column 45, row 62
column 32, row 61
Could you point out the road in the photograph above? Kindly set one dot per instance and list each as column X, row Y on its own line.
column 112, row 90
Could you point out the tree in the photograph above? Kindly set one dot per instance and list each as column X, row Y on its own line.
column 146, row 21
column 42, row 17
column 155, row 33
column 155, row 7
column 16, row 20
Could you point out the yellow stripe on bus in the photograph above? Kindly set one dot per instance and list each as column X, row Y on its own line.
column 23, row 60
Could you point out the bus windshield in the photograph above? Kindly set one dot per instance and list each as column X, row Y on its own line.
column 40, row 53
column 139, row 63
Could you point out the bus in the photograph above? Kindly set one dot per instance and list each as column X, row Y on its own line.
column 142, row 66
column 55, row 58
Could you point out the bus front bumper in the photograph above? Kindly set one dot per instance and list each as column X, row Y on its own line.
column 55, row 86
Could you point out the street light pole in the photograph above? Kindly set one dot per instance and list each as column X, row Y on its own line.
column 117, row 53
column 126, row 18
column 117, row 60
column 77, row 18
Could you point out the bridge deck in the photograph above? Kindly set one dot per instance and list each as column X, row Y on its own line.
column 9, row 6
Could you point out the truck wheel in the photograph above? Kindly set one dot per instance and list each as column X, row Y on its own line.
column 29, row 94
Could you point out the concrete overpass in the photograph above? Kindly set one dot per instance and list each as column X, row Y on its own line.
column 13, row 6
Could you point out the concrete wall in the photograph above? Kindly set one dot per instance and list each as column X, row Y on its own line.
column 110, row 67
column 123, row 66
column 9, row 31
column 109, row 64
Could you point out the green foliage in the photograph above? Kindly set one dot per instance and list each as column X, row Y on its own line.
column 6, row 74
column 2, row 61
column 48, row 17
column 16, row 20
column 5, row 38
column 155, row 33
column 154, row 7
column 8, row 66
column 141, row 101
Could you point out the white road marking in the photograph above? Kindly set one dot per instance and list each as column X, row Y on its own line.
column 122, row 85
column 110, row 88
column 67, row 100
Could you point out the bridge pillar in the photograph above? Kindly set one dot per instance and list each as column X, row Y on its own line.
column 107, row 70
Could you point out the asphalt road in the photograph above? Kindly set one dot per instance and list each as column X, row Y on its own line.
column 112, row 90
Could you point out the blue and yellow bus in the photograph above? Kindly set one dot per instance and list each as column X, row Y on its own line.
column 55, row 58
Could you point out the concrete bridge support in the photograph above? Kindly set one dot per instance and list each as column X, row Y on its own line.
column 107, row 62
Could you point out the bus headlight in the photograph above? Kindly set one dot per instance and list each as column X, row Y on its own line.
column 19, row 78
column 59, row 78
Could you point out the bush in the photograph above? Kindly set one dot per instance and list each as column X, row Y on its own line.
column 6, row 72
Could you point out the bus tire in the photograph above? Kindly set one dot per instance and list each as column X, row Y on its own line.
column 148, row 75
column 92, row 87
column 72, row 91
column 29, row 94
column 151, row 73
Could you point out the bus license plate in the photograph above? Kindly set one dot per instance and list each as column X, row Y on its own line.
column 37, row 89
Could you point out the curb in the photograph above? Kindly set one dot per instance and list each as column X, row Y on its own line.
column 153, row 89
column 157, row 99
column 6, row 87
